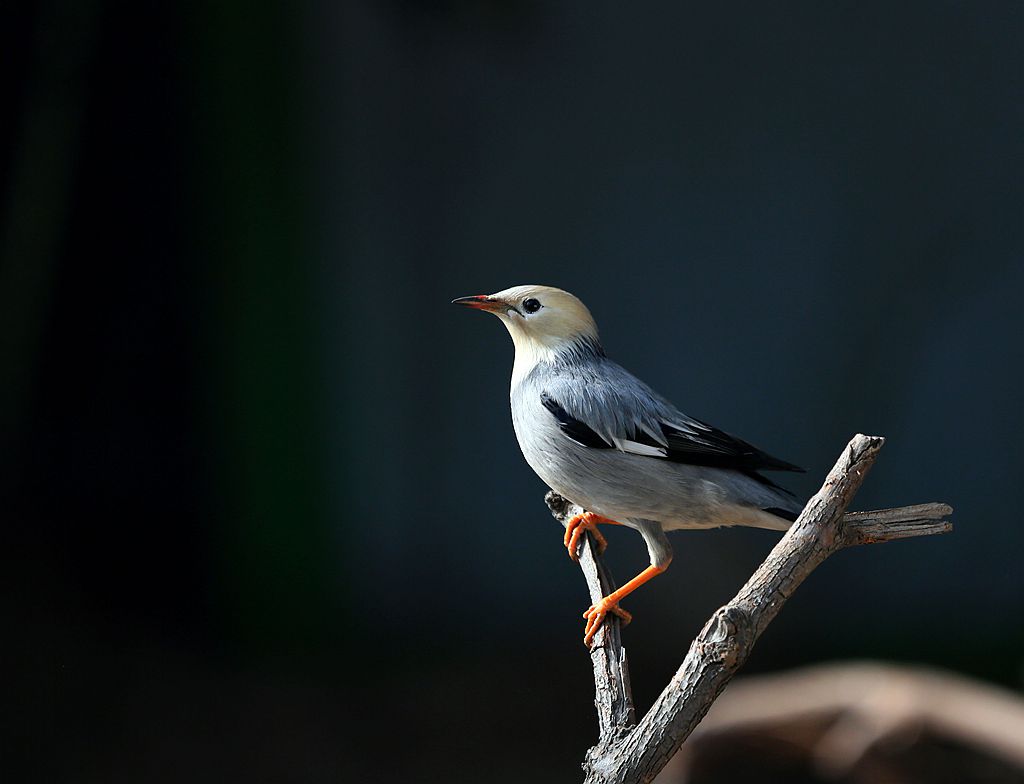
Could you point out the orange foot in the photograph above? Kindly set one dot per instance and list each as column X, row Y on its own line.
column 580, row 524
column 596, row 614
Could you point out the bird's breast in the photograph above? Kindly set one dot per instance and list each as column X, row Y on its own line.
column 538, row 436
column 565, row 466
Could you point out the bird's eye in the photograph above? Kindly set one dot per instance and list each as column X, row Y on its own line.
column 531, row 305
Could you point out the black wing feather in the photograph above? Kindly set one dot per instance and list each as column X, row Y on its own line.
column 707, row 446
column 578, row 431
column 714, row 447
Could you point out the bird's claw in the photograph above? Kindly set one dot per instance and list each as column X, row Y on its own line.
column 597, row 613
column 576, row 527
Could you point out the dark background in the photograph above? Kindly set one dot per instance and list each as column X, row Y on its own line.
column 264, row 514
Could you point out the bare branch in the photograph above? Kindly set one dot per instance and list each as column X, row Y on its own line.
column 627, row 753
column 614, row 698
column 886, row 525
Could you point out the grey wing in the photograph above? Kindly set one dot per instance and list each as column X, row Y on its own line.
column 606, row 407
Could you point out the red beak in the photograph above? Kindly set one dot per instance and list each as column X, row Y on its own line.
column 481, row 302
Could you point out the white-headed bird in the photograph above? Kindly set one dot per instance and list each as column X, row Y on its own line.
column 600, row 437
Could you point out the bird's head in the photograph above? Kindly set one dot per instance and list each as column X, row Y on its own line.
column 544, row 322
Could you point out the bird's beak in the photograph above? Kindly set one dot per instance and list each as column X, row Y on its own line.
column 482, row 302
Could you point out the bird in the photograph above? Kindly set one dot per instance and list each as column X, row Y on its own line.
column 602, row 438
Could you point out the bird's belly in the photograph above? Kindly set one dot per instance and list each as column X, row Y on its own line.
column 626, row 487
column 604, row 481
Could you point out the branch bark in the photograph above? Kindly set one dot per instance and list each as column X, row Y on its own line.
column 627, row 753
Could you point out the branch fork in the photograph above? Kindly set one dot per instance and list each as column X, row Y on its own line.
column 628, row 752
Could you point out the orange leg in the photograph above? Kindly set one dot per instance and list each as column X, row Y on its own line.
column 610, row 604
column 580, row 524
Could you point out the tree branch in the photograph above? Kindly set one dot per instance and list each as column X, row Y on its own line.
column 614, row 697
column 628, row 753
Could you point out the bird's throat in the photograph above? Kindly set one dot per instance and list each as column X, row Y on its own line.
column 531, row 352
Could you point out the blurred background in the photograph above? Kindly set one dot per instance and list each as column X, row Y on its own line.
column 265, row 517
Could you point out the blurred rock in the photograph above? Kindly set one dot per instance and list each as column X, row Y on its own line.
column 856, row 723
